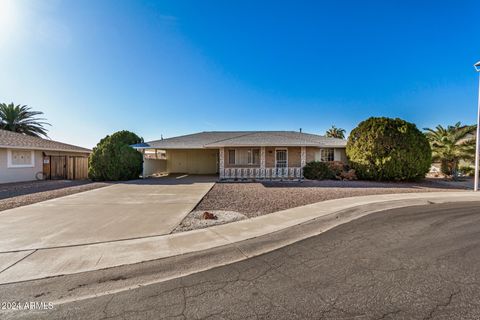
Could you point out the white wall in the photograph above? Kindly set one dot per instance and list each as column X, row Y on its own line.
column 151, row 166
column 19, row 174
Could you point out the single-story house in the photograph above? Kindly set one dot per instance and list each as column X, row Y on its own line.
column 240, row 154
column 27, row 158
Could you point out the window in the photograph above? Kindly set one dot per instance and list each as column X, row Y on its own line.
column 253, row 156
column 244, row 156
column 327, row 155
column 20, row 158
column 231, row 156
column 281, row 158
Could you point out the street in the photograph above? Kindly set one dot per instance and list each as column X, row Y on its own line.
column 412, row 263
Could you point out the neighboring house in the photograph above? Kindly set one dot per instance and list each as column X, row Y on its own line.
column 26, row 158
column 240, row 154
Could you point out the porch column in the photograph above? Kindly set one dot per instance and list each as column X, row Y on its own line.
column 303, row 159
column 262, row 162
column 221, row 164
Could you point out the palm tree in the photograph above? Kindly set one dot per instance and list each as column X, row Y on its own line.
column 21, row 119
column 335, row 132
column 452, row 144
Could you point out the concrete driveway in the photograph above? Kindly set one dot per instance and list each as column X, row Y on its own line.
column 135, row 209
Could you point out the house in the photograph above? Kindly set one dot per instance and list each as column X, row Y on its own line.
column 26, row 158
column 240, row 154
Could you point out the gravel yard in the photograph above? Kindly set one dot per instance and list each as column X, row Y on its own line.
column 23, row 193
column 254, row 199
column 195, row 220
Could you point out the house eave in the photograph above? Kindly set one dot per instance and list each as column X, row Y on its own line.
column 43, row 149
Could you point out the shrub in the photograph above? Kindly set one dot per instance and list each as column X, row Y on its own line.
column 113, row 159
column 388, row 149
column 341, row 171
column 317, row 170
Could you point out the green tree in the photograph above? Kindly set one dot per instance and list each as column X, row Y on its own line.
column 22, row 119
column 335, row 132
column 114, row 160
column 452, row 144
column 388, row 149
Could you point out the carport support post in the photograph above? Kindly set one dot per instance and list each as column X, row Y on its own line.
column 143, row 164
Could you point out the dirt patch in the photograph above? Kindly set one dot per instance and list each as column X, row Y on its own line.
column 195, row 219
column 14, row 195
column 255, row 199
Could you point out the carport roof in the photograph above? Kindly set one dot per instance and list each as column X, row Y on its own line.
column 218, row 139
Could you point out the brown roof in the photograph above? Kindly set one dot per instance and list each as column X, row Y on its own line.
column 218, row 139
column 16, row 140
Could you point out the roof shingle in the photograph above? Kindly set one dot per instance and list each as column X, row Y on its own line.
column 217, row 139
column 9, row 139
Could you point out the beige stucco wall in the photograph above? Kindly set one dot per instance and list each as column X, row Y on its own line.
column 151, row 166
column 311, row 153
column 294, row 157
column 19, row 174
column 193, row 161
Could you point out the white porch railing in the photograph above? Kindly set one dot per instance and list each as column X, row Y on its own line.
column 258, row 173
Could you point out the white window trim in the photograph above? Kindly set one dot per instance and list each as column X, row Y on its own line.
column 252, row 163
column 286, row 149
column 11, row 165
column 248, row 163
column 333, row 153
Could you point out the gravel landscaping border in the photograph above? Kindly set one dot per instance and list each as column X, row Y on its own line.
column 258, row 198
column 195, row 220
column 19, row 194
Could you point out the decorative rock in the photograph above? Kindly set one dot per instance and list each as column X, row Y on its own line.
column 209, row 216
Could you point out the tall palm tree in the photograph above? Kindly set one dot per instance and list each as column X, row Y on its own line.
column 335, row 132
column 452, row 144
column 22, row 119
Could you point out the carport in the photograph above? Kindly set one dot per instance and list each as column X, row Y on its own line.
column 167, row 161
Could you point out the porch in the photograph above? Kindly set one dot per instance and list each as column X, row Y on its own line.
column 246, row 163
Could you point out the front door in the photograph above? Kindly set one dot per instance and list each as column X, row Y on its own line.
column 281, row 159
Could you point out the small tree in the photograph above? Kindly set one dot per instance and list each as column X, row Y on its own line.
column 113, row 159
column 388, row 149
column 335, row 132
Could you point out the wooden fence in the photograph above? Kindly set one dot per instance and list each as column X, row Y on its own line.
column 65, row 167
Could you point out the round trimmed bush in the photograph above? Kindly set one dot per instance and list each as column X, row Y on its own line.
column 317, row 170
column 386, row 149
column 114, row 160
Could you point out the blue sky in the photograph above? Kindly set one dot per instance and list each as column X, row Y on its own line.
column 177, row 67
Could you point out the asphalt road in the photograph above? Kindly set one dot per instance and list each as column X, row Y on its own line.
column 410, row 263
